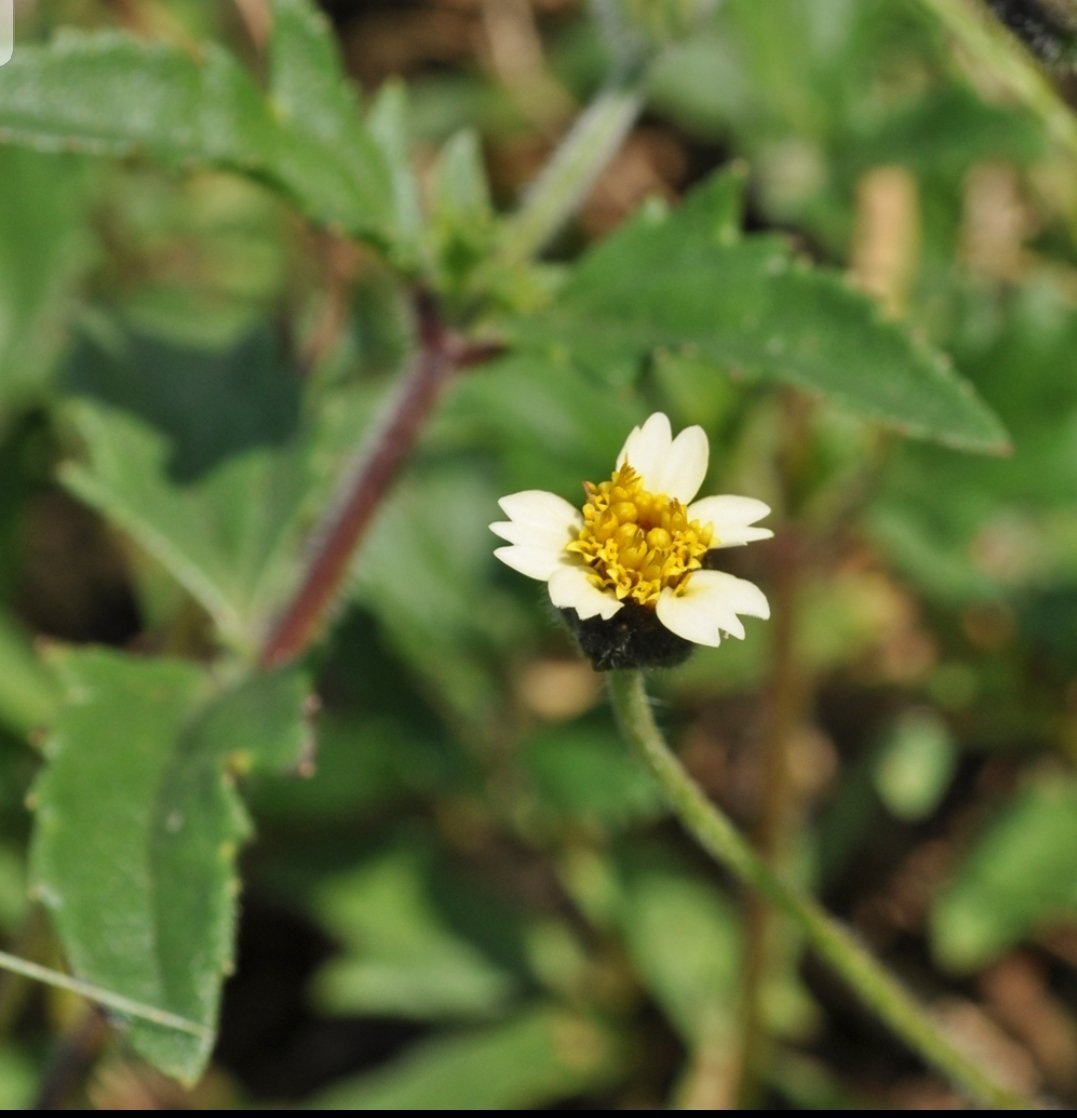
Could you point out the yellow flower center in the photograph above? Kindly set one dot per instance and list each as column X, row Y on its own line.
column 637, row 543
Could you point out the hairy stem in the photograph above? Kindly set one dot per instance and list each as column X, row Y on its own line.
column 365, row 484
column 572, row 170
column 128, row 1007
column 831, row 940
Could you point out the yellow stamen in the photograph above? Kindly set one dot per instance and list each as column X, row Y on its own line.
column 637, row 543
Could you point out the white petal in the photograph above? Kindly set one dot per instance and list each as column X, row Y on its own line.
column 675, row 466
column 647, row 447
column 736, row 537
column 535, row 562
column 541, row 509
column 531, row 535
column 696, row 618
column 739, row 594
column 542, row 524
column 570, row 588
column 709, row 606
column 728, row 511
column 685, row 466
column 730, row 516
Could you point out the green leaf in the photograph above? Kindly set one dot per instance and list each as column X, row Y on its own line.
column 107, row 93
column 714, row 210
column 915, row 765
column 1020, row 875
column 137, row 827
column 388, row 124
column 581, row 773
column 934, row 510
column 110, row 94
column 398, row 912
column 540, row 1057
column 461, row 193
column 367, row 765
column 684, row 281
column 949, row 130
column 437, row 632
column 328, row 150
column 306, row 80
column 462, row 216
column 19, row 1076
column 27, row 691
column 201, row 455
column 13, row 901
column 664, row 903
column 229, row 230
column 42, row 246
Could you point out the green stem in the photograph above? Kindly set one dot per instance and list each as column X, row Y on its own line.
column 833, row 942
column 117, row 1002
column 572, row 170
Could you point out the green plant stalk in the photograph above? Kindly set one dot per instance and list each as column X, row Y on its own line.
column 573, row 169
column 990, row 45
column 833, row 942
column 116, row 1002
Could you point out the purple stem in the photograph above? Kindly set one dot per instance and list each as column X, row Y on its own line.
column 441, row 354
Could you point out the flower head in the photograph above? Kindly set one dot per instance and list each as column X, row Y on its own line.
column 630, row 570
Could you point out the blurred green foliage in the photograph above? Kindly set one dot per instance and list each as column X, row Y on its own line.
column 208, row 262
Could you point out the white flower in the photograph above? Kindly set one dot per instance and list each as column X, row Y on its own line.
column 641, row 539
